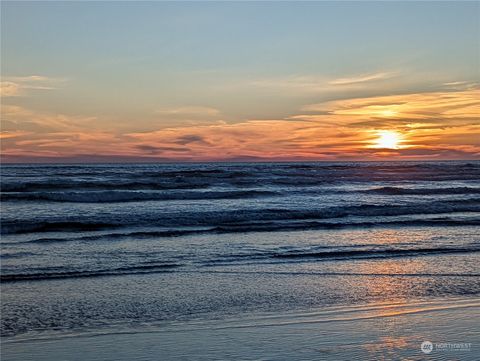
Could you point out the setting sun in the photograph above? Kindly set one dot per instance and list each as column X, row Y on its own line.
column 388, row 139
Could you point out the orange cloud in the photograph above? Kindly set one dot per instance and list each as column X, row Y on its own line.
column 9, row 89
column 13, row 134
column 434, row 125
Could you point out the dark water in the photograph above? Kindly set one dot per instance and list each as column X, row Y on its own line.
column 92, row 246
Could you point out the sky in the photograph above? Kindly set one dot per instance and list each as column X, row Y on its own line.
column 120, row 81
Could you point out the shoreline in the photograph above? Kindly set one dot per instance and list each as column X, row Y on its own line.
column 339, row 332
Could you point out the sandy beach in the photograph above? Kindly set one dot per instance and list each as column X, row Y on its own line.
column 379, row 331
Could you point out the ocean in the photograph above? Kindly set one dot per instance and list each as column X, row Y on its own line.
column 101, row 247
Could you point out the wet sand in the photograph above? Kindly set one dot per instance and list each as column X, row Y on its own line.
column 381, row 331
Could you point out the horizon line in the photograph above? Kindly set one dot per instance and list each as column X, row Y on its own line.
column 240, row 161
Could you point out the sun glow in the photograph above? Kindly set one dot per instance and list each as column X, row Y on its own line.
column 388, row 113
column 388, row 139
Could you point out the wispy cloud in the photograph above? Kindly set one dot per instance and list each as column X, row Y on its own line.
column 447, row 107
column 168, row 117
column 13, row 134
column 16, row 118
column 318, row 82
column 461, row 85
column 302, row 83
column 30, row 78
column 9, row 89
column 196, row 111
column 453, row 83
column 362, row 78
column 19, row 85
